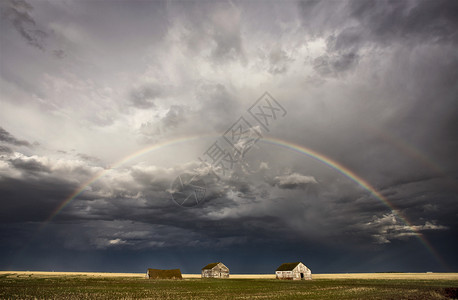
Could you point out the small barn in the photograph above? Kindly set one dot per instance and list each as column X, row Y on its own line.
column 164, row 274
column 215, row 270
column 293, row 271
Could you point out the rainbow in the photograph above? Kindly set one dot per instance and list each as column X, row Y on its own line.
column 408, row 149
column 272, row 141
column 363, row 183
column 117, row 164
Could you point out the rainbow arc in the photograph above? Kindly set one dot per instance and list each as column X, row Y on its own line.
column 302, row 150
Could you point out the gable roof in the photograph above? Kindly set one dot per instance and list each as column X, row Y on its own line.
column 210, row 266
column 287, row 266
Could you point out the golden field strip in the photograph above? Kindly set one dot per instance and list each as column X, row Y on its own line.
column 89, row 285
column 397, row 276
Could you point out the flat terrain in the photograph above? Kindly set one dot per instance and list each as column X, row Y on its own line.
column 72, row 285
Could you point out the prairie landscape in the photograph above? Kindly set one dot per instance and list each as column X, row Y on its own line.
column 79, row 285
column 312, row 138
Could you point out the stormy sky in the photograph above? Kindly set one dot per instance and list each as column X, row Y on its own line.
column 103, row 104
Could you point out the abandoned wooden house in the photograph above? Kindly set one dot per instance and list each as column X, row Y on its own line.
column 293, row 271
column 215, row 270
column 164, row 274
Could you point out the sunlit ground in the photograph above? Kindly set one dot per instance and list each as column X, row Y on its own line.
column 80, row 285
column 428, row 276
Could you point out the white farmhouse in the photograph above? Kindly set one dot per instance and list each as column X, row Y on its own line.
column 215, row 270
column 293, row 271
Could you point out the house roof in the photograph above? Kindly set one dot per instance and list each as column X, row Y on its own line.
column 287, row 266
column 210, row 266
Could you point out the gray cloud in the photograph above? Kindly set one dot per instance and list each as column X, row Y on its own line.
column 144, row 96
column 219, row 105
column 29, row 165
column 331, row 66
column 216, row 28
column 7, row 137
column 5, row 149
column 175, row 117
column 385, row 21
column 18, row 12
column 279, row 61
column 59, row 53
column 293, row 181
column 216, row 109
column 388, row 228
column 360, row 27
column 88, row 158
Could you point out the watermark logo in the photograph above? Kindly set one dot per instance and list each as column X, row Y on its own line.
column 266, row 110
column 242, row 136
column 188, row 190
column 228, row 152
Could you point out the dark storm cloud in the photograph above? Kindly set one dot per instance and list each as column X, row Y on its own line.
column 221, row 217
column 360, row 25
column 29, row 165
column 5, row 149
column 193, row 227
column 18, row 13
column 7, row 137
column 120, row 234
column 420, row 21
column 45, row 184
column 132, row 210
column 142, row 198
column 386, row 111
column 383, row 22
column 32, row 198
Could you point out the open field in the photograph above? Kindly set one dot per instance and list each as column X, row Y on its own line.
column 428, row 276
column 76, row 285
column 414, row 276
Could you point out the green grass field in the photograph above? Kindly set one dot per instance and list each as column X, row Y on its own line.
column 33, row 286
